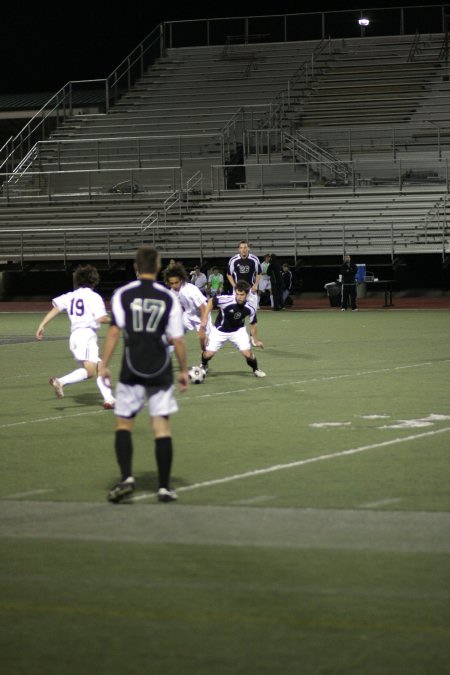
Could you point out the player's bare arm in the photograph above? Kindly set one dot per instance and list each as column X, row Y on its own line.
column 48, row 317
column 254, row 336
column 205, row 311
column 256, row 284
column 180, row 353
column 231, row 280
column 111, row 340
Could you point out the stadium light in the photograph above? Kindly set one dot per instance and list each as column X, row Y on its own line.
column 363, row 22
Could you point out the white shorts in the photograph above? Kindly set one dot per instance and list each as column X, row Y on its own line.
column 253, row 300
column 240, row 338
column 193, row 323
column 84, row 345
column 264, row 284
column 131, row 398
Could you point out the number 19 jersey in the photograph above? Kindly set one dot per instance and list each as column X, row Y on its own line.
column 84, row 308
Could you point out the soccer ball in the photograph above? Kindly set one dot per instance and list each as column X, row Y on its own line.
column 197, row 374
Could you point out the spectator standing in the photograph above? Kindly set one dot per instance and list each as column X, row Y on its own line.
column 288, row 282
column 348, row 293
column 276, row 282
column 264, row 281
column 215, row 282
column 198, row 278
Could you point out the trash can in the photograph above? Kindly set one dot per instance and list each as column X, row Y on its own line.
column 361, row 290
column 333, row 290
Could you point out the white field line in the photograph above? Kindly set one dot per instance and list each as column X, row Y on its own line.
column 188, row 399
column 302, row 462
column 51, row 419
column 31, row 493
column 380, row 502
column 327, row 378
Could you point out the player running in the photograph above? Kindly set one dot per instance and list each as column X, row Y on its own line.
column 86, row 311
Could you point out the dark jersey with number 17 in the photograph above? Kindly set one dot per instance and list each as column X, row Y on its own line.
column 149, row 314
column 231, row 314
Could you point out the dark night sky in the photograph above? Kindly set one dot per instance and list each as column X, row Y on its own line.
column 46, row 44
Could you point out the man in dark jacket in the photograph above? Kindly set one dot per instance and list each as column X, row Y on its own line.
column 348, row 274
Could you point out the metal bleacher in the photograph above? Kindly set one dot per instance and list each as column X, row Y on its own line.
column 305, row 147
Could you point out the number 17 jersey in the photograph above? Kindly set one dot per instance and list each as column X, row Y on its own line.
column 149, row 315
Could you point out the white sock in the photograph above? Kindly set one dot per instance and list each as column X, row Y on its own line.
column 104, row 389
column 75, row 376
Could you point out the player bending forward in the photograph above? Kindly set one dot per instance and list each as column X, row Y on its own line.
column 192, row 301
column 230, row 326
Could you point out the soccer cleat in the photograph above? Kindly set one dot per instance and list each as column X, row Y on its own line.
column 343, row 309
column 259, row 373
column 204, row 366
column 57, row 386
column 165, row 495
column 108, row 404
column 121, row 491
column 355, row 309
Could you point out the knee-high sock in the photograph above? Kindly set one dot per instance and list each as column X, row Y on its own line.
column 105, row 389
column 164, row 454
column 252, row 363
column 75, row 376
column 124, row 452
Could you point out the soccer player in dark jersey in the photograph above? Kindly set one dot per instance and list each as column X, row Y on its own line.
column 244, row 266
column 230, row 326
column 150, row 317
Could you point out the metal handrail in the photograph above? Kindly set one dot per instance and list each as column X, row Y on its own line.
column 191, row 183
column 170, row 202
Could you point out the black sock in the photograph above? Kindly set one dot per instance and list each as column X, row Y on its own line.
column 252, row 363
column 205, row 361
column 124, row 452
column 164, row 453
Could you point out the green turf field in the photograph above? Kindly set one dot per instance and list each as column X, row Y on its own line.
column 312, row 533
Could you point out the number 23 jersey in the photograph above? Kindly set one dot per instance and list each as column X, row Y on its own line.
column 149, row 315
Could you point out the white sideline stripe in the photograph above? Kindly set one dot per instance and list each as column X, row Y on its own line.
column 31, row 493
column 51, row 419
column 189, row 399
column 302, row 462
column 380, row 502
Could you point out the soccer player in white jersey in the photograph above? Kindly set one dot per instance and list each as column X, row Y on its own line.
column 192, row 301
column 86, row 311
column 230, row 326
column 244, row 266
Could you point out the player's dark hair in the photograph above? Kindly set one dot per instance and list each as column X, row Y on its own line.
column 175, row 270
column 86, row 276
column 243, row 285
column 146, row 260
column 243, row 241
